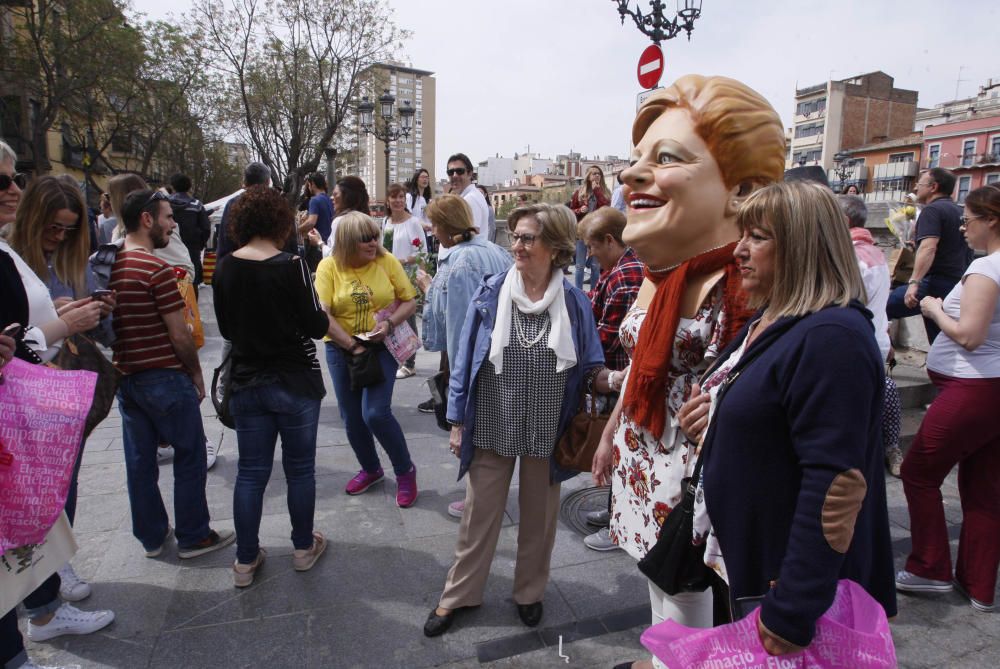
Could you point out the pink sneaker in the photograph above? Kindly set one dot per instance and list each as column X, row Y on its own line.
column 362, row 481
column 406, row 491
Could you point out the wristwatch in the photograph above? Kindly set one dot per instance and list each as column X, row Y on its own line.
column 912, row 282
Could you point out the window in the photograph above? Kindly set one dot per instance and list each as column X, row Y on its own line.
column 992, row 179
column 808, row 130
column 968, row 152
column 933, row 155
column 964, row 183
column 802, row 157
column 901, row 157
column 995, row 149
column 810, row 107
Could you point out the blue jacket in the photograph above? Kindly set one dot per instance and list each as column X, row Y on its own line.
column 793, row 461
column 458, row 276
column 474, row 348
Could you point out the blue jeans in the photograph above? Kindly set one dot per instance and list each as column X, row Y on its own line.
column 367, row 414
column 583, row 261
column 935, row 286
column 163, row 404
column 261, row 414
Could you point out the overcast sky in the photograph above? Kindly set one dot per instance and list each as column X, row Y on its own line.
column 561, row 74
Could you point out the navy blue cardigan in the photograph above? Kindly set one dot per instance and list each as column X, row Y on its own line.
column 803, row 405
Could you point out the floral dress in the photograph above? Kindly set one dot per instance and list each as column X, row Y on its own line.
column 646, row 483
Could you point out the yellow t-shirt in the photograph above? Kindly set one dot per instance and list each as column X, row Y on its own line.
column 353, row 295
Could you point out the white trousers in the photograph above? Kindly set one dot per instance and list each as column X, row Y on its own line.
column 693, row 609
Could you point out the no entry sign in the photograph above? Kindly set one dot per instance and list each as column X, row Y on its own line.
column 650, row 66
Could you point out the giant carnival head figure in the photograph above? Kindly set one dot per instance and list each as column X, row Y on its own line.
column 701, row 146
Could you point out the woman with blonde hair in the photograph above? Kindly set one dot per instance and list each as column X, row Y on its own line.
column 790, row 424
column 529, row 352
column 701, row 146
column 357, row 282
column 590, row 196
column 471, row 258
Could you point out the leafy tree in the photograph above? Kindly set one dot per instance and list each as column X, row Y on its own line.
column 290, row 73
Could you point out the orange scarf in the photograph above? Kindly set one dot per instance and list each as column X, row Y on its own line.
column 645, row 399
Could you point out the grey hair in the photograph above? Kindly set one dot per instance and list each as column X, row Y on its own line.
column 7, row 153
column 256, row 174
column 854, row 209
column 557, row 228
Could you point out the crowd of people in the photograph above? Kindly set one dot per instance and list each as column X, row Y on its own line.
column 735, row 335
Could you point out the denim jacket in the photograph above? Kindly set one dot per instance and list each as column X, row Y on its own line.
column 474, row 347
column 450, row 293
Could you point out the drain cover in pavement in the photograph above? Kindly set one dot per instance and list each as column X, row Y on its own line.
column 578, row 504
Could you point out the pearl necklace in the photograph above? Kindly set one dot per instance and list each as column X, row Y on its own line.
column 521, row 336
column 660, row 270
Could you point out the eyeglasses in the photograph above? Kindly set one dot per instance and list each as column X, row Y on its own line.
column 526, row 240
column 18, row 179
column 460, row 171
column 965, row 219
column 925, row 185
column 56, row 228
column 368, row 239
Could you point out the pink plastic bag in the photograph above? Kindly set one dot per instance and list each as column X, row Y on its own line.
column 853, row 633
column 42, row 412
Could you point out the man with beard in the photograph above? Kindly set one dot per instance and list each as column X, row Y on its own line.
column 161, row 386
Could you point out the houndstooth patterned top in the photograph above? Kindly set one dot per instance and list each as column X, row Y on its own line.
column 517, row 411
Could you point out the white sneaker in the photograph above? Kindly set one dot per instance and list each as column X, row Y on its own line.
column 456, row 509
column 211, row 452
column 70, row 620
column 73, row 588
column 404, row 372
column 164, row 454
column 600, row 541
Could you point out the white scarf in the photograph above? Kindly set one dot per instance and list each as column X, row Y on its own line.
column 554, row 301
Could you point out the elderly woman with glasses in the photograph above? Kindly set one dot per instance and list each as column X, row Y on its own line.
column 529, row 350
column 367, row 295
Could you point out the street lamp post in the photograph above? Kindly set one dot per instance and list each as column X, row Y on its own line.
column 843, row 166
column 655, row 25
column 389, row 130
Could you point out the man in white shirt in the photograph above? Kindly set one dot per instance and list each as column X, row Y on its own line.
column 460, row 176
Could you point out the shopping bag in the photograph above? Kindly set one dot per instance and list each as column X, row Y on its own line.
column 208, row 267
column 42, row 414
column 852, row 634
column 403, row 342
column 25, row 568
column 192, row 318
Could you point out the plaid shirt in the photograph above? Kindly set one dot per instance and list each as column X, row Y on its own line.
column 612, row 297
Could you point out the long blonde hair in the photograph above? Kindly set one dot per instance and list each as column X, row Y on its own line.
column 814, row 261
column 583, row 195
column 42, row 200
column 119, row 186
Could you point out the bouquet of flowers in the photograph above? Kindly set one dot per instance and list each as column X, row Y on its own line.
column 902, row 222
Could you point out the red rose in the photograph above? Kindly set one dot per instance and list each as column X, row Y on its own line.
column 415, row 241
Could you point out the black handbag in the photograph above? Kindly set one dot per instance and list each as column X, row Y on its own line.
column 221, row 402
column 675, row 564
column 438, row 385
column 80, row 353
column 365, row 369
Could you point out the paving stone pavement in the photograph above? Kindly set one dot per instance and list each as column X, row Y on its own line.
column 365, row 602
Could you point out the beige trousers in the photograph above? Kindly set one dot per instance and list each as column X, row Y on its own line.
column 489, row 479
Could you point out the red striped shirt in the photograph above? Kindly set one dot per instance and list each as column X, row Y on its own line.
column 146, row 289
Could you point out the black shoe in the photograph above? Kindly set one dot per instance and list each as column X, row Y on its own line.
column 530, row 614
column 625, row 665
column 437, row 625
column 426, row 407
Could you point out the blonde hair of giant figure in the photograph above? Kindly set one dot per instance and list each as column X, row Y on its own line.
column 740, row 127
column 814, row 261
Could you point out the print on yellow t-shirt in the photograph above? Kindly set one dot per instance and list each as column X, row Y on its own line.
column 353, row 295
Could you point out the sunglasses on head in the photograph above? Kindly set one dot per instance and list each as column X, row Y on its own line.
column 456, row 170
column 20, row 180
column 155, row 197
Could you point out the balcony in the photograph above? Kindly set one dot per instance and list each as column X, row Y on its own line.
column 972, row 161
column 890, row 171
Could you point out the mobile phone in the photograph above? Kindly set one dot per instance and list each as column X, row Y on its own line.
column 100, row 294
column 12, row 330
